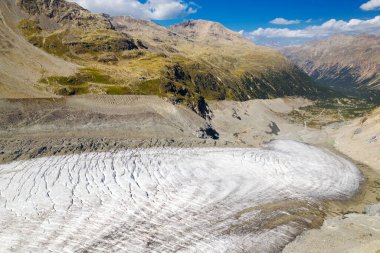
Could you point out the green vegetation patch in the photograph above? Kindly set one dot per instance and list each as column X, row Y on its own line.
column 196, row 78
column 70, row 91
column 29, row 27
column 134, row 54
column 96, row 76
column 150, row 87
column 118, row 90
column 70, row 42
column 328, row 111
column 100, row 41
column 53, row 44
column 81, row 82
column 32, row 32
column 86, row 75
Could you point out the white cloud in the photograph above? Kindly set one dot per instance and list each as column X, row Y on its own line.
column 151, row 9
column 282, row 21
column 333, row 26
column 371, row 5
column 280, row 33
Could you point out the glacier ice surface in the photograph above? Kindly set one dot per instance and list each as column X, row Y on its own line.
column 162, row 199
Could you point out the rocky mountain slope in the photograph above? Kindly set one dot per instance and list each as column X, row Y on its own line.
column 186, row 63
column 218, row 62
column 343, row 62
column 21, row 64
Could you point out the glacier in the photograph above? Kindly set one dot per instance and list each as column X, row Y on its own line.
column 165, row 199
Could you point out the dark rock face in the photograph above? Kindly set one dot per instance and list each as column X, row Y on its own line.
column 203, row 108
column 274, row 129
column 206, row 82
column 29, row 6
column 235, row 115
column 207, row 132
column 179, row 74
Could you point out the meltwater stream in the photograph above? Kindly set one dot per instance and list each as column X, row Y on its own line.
column 168, row 200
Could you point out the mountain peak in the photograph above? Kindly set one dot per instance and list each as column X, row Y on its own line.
column 200, row 23
column 202, row 28
column 129, row 22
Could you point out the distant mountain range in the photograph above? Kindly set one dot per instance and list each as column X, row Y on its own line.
column 343, row 62
column 186, row 63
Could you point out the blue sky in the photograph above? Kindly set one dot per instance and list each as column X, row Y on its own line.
column 270, row 22
column 249, row 15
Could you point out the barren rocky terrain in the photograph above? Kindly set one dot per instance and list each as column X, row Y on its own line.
column 37, row 127
column 361, row 134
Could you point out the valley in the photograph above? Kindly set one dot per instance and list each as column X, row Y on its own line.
column 346, row 63
column 119, row 134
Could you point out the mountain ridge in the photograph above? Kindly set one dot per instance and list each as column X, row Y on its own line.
column 186, row 63
column 344, row 62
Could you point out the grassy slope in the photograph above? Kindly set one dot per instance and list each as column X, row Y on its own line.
column 192, row 71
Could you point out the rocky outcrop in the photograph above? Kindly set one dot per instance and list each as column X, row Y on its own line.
column 207, row 132
column 65, row 28
column 65, row 13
